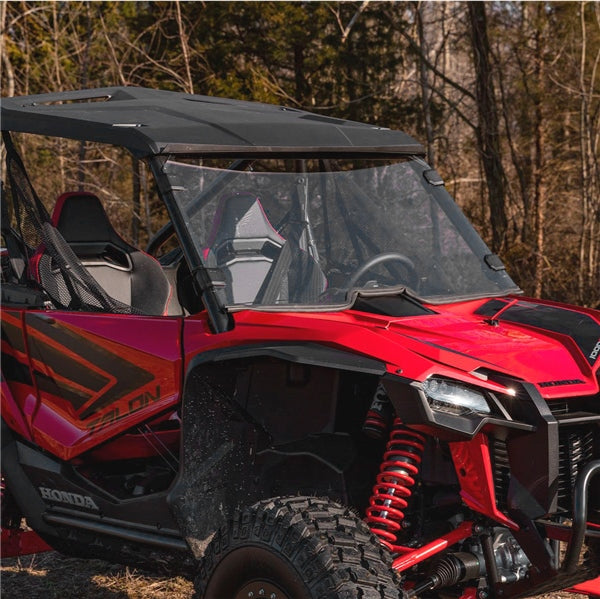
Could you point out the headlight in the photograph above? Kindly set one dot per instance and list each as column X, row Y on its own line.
column 454, row 398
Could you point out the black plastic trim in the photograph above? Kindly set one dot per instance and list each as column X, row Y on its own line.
column 22, row 489
column 59, row 510
column 21, row 297
column 312, row 354
column 412, row 407
column 121, row 532
column 212, row 297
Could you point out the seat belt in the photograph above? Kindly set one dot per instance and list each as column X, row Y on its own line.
column 279, row 270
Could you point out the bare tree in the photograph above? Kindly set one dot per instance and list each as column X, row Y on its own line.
column 589, row 247
column 184, row 47
column 488, row 131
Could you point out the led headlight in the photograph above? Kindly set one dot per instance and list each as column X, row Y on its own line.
column 454, row 398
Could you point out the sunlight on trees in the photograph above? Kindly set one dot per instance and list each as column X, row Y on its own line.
column 504, row 95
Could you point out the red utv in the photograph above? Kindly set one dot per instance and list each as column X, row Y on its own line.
column 326, row 387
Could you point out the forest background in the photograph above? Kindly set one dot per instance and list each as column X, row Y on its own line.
column 504, row 95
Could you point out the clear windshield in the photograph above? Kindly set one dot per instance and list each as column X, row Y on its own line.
column 306, row 239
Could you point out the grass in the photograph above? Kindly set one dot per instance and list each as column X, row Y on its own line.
column 52, row 576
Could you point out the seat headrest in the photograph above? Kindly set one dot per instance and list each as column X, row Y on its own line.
column 80, row 218
column 241, row 216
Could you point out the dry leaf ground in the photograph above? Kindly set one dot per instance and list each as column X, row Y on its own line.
column 52, row 576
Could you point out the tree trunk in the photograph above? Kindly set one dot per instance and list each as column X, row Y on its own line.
column 84, row 77
column 5, row 63
column 539, row 160
column 185, row 48
column 488, row 138
column 425, row 86
column 589, row 267
column 302, row 90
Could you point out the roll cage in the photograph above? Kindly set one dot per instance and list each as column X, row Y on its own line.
column 156, row 124
column 167, row 128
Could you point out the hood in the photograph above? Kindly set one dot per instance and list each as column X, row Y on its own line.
column 555, row 347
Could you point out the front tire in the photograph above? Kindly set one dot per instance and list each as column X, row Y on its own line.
column 296, row 548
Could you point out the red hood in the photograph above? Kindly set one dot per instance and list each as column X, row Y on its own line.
column 553, row 346
column 560, row 364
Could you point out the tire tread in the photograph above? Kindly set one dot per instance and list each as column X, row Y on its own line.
column 333, row 551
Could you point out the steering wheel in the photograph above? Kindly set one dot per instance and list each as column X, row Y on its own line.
column 405, row 261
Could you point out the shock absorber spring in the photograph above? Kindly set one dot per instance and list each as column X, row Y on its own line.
column 393, row 487
column 376, row 423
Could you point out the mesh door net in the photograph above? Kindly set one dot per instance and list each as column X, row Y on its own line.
column 66, row 281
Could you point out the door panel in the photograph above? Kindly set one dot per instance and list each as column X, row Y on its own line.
column 99, row 374
column 18, row 394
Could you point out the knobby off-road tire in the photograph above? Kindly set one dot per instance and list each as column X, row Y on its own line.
column 296, row 548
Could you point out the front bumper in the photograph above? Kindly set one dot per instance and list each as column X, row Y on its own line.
column 580, row 514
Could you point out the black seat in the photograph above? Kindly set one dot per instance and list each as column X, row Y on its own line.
column 125, row 273
column 259, row 265
column 244, row 245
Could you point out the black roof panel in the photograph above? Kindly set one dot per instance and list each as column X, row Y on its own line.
column 148, row 121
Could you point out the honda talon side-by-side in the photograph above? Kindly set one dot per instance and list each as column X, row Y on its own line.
column 315, row 381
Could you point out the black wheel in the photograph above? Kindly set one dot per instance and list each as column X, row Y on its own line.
column 296, row 548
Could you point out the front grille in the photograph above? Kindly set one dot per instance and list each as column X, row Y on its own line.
column 578, row 443
column 501, row 469
column 559, row 407
column 576, row 448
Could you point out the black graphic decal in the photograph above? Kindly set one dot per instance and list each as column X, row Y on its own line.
column 72, row 371
column 583, row 329
column 127, row 376
column 133, row 405
column 46, row 384
column 15, row 371
column 13, row 335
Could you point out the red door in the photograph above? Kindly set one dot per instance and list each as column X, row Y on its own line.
column 99, row 374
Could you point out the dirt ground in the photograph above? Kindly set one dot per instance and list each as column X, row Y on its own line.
column 52, row 576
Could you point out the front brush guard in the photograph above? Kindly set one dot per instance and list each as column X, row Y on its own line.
column 572, row 572
column 580, row 510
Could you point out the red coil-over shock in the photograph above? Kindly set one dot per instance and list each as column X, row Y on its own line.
column 377, row 421
column 401, row 463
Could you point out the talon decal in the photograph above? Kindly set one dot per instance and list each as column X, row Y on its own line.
column 133, row 405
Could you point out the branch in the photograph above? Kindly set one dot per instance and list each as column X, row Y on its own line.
column 111, row 47
column 26, row 13
column 454, row 106
column 346, row 31
column 185, row 48
column 416, row 48
column 176, row 76
column 10, row 74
